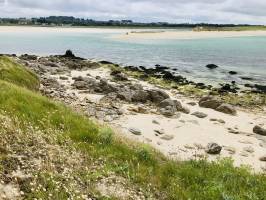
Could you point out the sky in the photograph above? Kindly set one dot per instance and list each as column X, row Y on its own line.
column 173, row 11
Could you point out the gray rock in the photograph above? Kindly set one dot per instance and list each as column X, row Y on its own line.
column 259, row 130
column 125, row 95
column 140, row 96
column 135, row 131
column 213, row 148
column 160, row 132
column 209, row 102
column 167, row 102
column 199, row 114
column 167, row 137
column 155, row 122
column 192, row 103
column 263, row 158
column 227, row 109
column 157, row 96
column 169, row 111
column 249, row 149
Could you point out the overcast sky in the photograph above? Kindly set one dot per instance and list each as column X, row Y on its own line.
column 179, row 11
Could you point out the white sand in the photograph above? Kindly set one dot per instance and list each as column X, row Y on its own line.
column 188, row 35
column 133, row 34
column 190, row 132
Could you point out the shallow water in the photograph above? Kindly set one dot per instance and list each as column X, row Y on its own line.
column 246, row 55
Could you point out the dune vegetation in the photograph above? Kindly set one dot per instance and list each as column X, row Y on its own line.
column 58, row 153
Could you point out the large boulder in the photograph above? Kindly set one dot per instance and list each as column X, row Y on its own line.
column 157, row 96
column 227, row 109
column 259, row 130
column 209, row 102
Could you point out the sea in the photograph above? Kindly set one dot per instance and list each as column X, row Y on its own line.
column 245, row 55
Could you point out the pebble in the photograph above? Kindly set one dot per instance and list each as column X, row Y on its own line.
column 249, row 149
column 167, row 137
column 231, row 150
column 155, row 122
column 200, row 115
column 263, row 158
column 135, row 131
column 160, row 132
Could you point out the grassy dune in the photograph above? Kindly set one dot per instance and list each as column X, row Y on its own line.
column 31, row 121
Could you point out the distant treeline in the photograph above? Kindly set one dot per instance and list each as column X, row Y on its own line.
column 72, row 21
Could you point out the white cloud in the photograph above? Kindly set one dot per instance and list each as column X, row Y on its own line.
column 214, row 11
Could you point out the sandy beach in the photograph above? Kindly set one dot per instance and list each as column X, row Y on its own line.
column 135, row 34
column 183, row 136
column 170, row 35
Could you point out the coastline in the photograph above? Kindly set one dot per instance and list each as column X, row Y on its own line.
column 181, row 135
column 124, row 33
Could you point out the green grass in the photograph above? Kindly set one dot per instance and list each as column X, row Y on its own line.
column 12, row 72
column 139, row 164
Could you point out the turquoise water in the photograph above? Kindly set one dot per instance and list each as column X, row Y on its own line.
column 246, row 55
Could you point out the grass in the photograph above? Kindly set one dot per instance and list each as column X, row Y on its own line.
column 12, row 72
column 140, row 165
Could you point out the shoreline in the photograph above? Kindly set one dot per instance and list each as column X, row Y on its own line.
column 119, row 99
column 188, row 35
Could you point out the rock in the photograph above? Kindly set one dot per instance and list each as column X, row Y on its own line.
column 232, row 72
column 231, row 150
column 168, row 111
column 69, row 54
column 211, row 66
column 261, row 88
column 142, row 110
column 119, row 76
column 160, row 132
column 64, row 78
column 259, row 130
column 80, row 85
column 192, row 103
column 263, row 158
column 158, row 96
column 167, row 137
column 125, row 95
column 249, row 149
column 135, row 131
column 167, row 102
column 213, row 148
column 155, row 122
column 184, row 110
column 140, row 96
column 199, row 114
column 246, row 78
column 218, row 120
column 209, row 102
column 227, row 109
